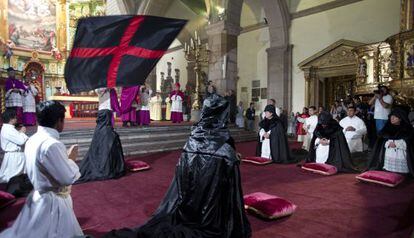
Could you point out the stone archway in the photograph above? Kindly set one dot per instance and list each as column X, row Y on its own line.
column 223, row 35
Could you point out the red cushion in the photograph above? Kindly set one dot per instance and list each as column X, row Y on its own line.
column 319, row 168
column 268, row 206
column 381, row 177
column 6, row 199
column 136, row 165
column 257, row 160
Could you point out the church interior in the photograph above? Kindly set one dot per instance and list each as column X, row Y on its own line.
column 300, row 53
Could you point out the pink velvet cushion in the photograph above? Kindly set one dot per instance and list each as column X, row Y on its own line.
column 324, row 169
column 257, row 160
column 381, row 177
column 268, row 206
column 136, row 165
column 6, row 199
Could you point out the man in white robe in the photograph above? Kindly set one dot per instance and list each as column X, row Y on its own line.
column 309, row 126
column 12, row 141
column 354, row 130
column 48, row 211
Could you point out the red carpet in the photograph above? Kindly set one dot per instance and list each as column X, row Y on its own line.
column 336, row 206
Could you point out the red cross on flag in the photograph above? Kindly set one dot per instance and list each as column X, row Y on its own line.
column 115, row 51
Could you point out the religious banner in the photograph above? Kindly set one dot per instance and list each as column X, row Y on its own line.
column 32, row 24
column 115, row 51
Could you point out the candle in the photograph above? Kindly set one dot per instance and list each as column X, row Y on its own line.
column 199, row 41
column 192, row 43
column 185, row 46
column 195, row 35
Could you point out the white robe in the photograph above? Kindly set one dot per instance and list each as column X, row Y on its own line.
column 266, row 152
column 14, row 161
column 354, row 138
column 155, row 108
column 395, row 159
column 239, row 117
column 176, row 103
column 104, row 95
column 48, row 211
column 322, row 152
column 309, row 125
column 29, row 102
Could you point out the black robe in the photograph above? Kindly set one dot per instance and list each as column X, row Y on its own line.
column 279, row 147
column 391, row 132
column 339, row 153
column 105, row 158
column 205, row 198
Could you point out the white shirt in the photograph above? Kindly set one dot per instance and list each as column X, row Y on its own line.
column 12, row 140
column 381, row 112
column 104, row 98
column 354, row 138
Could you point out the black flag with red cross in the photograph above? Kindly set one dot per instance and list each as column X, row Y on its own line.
column 113, row 51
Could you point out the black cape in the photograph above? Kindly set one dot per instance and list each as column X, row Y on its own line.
column 19, row 186
column 205, row 198
column 279, row 147
column 105, row 158
column 392, row 132
column 339, row 153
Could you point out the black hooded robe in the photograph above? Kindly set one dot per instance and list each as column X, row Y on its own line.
column 205, row 198
column 339, row 153
column 105, row 158
column 392, row 132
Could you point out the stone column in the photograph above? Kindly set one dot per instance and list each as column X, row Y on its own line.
column 222, row 41
column 279, row 77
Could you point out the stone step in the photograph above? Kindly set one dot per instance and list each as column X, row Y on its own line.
column 145, row 140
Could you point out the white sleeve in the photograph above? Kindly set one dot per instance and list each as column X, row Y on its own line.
column 57, row 164
column 17, row 137
column 387, row 144
column 388, row 99
column 342, row 124
column 8, row 93
column 261, row 133
column 400, row 144
column 301, row 120
column 361, row 130
column 34, row 90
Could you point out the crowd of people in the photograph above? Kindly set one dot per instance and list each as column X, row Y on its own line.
column 328, row 137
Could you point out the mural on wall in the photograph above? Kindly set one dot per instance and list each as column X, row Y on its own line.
column 32, row 24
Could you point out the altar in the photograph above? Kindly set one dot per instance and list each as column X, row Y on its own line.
column 78, row 106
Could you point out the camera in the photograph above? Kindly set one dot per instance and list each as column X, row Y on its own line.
column 378, row 90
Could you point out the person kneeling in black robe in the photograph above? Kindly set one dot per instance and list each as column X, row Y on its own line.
column 273, row 143
column 105, row 158
column 205, row 198
column 328, row 145
column 394, row 149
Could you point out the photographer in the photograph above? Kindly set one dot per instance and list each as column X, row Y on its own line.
column 383, row 102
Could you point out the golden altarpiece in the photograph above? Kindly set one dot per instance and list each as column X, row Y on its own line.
column 36, row 42
column 348, row 68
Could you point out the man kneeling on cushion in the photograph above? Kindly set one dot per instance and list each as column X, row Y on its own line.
column 329, row 145
column 394, row 149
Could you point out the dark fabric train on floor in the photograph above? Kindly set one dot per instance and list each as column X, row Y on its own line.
column 403, row 131
column 105, row 158
column 339, row 153
column 205, row 198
